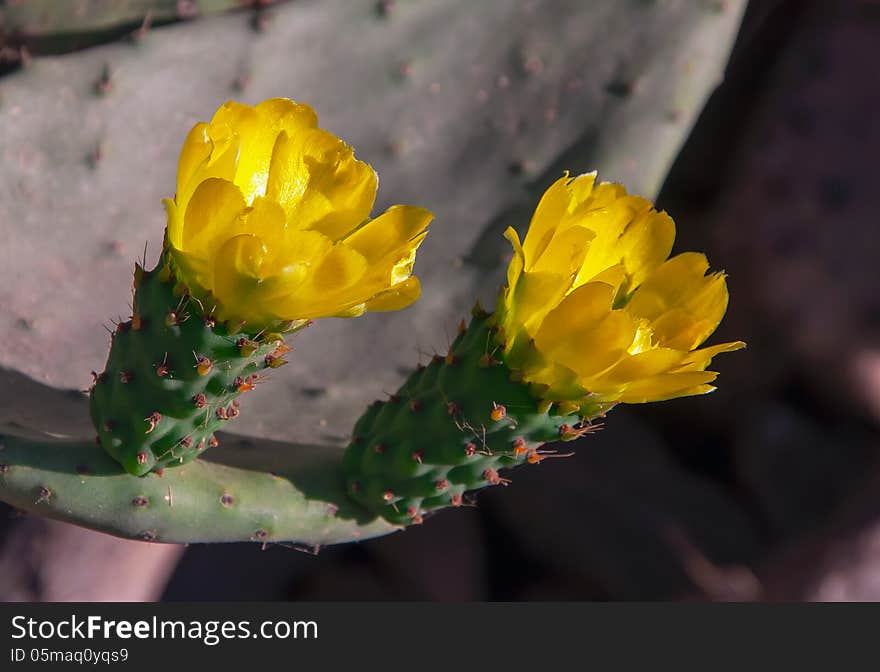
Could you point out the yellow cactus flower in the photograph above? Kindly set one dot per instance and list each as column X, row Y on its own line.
column 271, row 221
column 593, row 312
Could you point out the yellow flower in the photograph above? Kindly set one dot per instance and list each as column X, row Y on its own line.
column 594, row 313
column 271, row 221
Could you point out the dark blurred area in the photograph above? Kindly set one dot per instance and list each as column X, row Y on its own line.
column 767, row 489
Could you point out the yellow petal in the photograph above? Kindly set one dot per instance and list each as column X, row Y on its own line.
column 565, row 252
column 332, row 286
column 207, row 153
column 237, row 273
column 551, row 211
column 627, row 233
column 196, row 150
column 642, row 365
column 316, row 179
column 700, row 359
column 265, row 219
column 283, row 114
column 584, row 334
column 340, row 268
column 292, row 265
column 535, row 295
column 668, row 386
column 390, row 231
column 210, row 217
column 683, row 304
column 515, row 268
column 256, row 140
column 399, row 296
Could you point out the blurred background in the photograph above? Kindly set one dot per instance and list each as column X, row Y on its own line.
column 753, row 126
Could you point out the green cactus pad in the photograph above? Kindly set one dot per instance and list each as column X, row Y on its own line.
column 449, row 429
column 173, row 377
column 244, row 490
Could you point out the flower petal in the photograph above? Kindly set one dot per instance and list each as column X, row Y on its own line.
column 668, row 386
column 683, row 304
column 584, row 333
column 399, row 296
column 237, row 274
column 210, row 217
column 390, row 231
column 316, row 179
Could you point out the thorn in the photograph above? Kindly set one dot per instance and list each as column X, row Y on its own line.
column 246, row 347
column 141, row 457
column 154, row 418
column 455, row 500
column 535, row 456
column 162, row 368
column 203, row 365
column 519, row 446
column 442, row 484
column 470, row 449
column 498, row 412
column 493, row 478
column 452, row 408
column 274, row 362
column 175, row 319
column 415, row 405
column 186, row 442
column 213, row 442
column 379, row 448
column 388, row 495
column 569, row 433
column 222, row 414
column 462, row 327
column 418, row 455
column 200, row 400
column 126, row 376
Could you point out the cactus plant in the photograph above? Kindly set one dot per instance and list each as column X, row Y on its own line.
column 591, row 315
column 667, row 83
